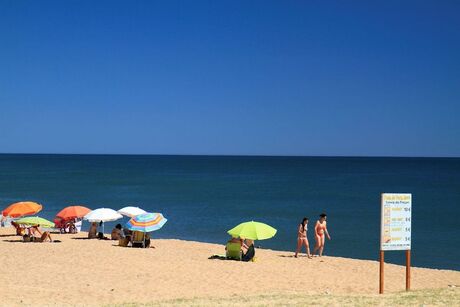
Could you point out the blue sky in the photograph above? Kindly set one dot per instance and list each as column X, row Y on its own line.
column 213, row 77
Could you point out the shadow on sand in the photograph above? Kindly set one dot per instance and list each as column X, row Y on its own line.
column 21, row 241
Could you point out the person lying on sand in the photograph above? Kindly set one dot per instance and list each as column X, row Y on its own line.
column 36, row 235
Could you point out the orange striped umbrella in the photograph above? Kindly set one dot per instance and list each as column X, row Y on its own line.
column 22, row 208
column 73, row 212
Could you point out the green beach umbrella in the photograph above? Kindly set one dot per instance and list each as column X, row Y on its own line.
column 253, row 230
column 35, row 220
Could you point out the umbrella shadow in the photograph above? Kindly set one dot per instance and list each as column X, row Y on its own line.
column 130, row 247
column 84, row 238
column 22, row 241
column 4, row 236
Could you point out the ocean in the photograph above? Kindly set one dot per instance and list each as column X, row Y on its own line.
column 204, row 196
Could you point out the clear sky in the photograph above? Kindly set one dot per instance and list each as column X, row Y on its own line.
column 378, row 78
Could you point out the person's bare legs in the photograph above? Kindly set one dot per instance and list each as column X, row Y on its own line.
column 300, row 242
column 46, row 235
column 299, row 246
column 307, row 247
column 321, row 248
column 317, row 243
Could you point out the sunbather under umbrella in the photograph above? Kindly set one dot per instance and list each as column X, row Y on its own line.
column 102, row 215
column 35, row 220
column 253, row 230
column 146, row 222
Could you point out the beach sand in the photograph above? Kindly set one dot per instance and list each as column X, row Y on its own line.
column 93, row 272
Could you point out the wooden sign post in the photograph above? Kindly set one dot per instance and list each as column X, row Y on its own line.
column 395, row 230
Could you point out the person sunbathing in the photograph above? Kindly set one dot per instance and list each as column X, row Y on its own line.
column 20, row 229
column 36, row 235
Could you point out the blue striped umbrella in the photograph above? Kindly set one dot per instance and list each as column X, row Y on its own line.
column 146, row 222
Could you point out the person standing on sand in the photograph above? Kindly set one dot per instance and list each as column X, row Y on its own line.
column 302, row 237
column 320, row 230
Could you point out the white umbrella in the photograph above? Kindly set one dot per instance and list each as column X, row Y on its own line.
column 131, row 211
column 102, row 215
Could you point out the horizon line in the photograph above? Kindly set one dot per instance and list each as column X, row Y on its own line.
column 231, row 155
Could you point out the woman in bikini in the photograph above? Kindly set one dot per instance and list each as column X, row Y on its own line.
column 302, row 238
column 37, row 236
column 320, row 230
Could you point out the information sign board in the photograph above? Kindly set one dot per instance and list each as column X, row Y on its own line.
column 395, row 231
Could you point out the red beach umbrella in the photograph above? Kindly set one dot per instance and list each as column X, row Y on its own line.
column 73, row 212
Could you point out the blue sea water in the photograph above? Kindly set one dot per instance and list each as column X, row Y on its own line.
column 204, row 196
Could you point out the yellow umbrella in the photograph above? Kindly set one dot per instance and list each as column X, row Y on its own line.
column 253, row 230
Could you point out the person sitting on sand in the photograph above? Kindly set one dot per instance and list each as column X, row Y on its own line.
column 302, row 237
column 140, row 239
column 236, row 240
column 70, row 225
column 127, row 232
column 20, row 229
column 248, row 251
column 36, row 235
column 92, row 233
column 320, row 230
column 147, row 240
column 117, row 234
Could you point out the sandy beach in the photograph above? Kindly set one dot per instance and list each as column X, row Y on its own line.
column 78, row 271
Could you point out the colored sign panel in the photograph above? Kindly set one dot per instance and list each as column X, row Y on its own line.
column 395, row 231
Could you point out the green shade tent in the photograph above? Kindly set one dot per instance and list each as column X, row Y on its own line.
column 253, row 230
column 35, row 220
